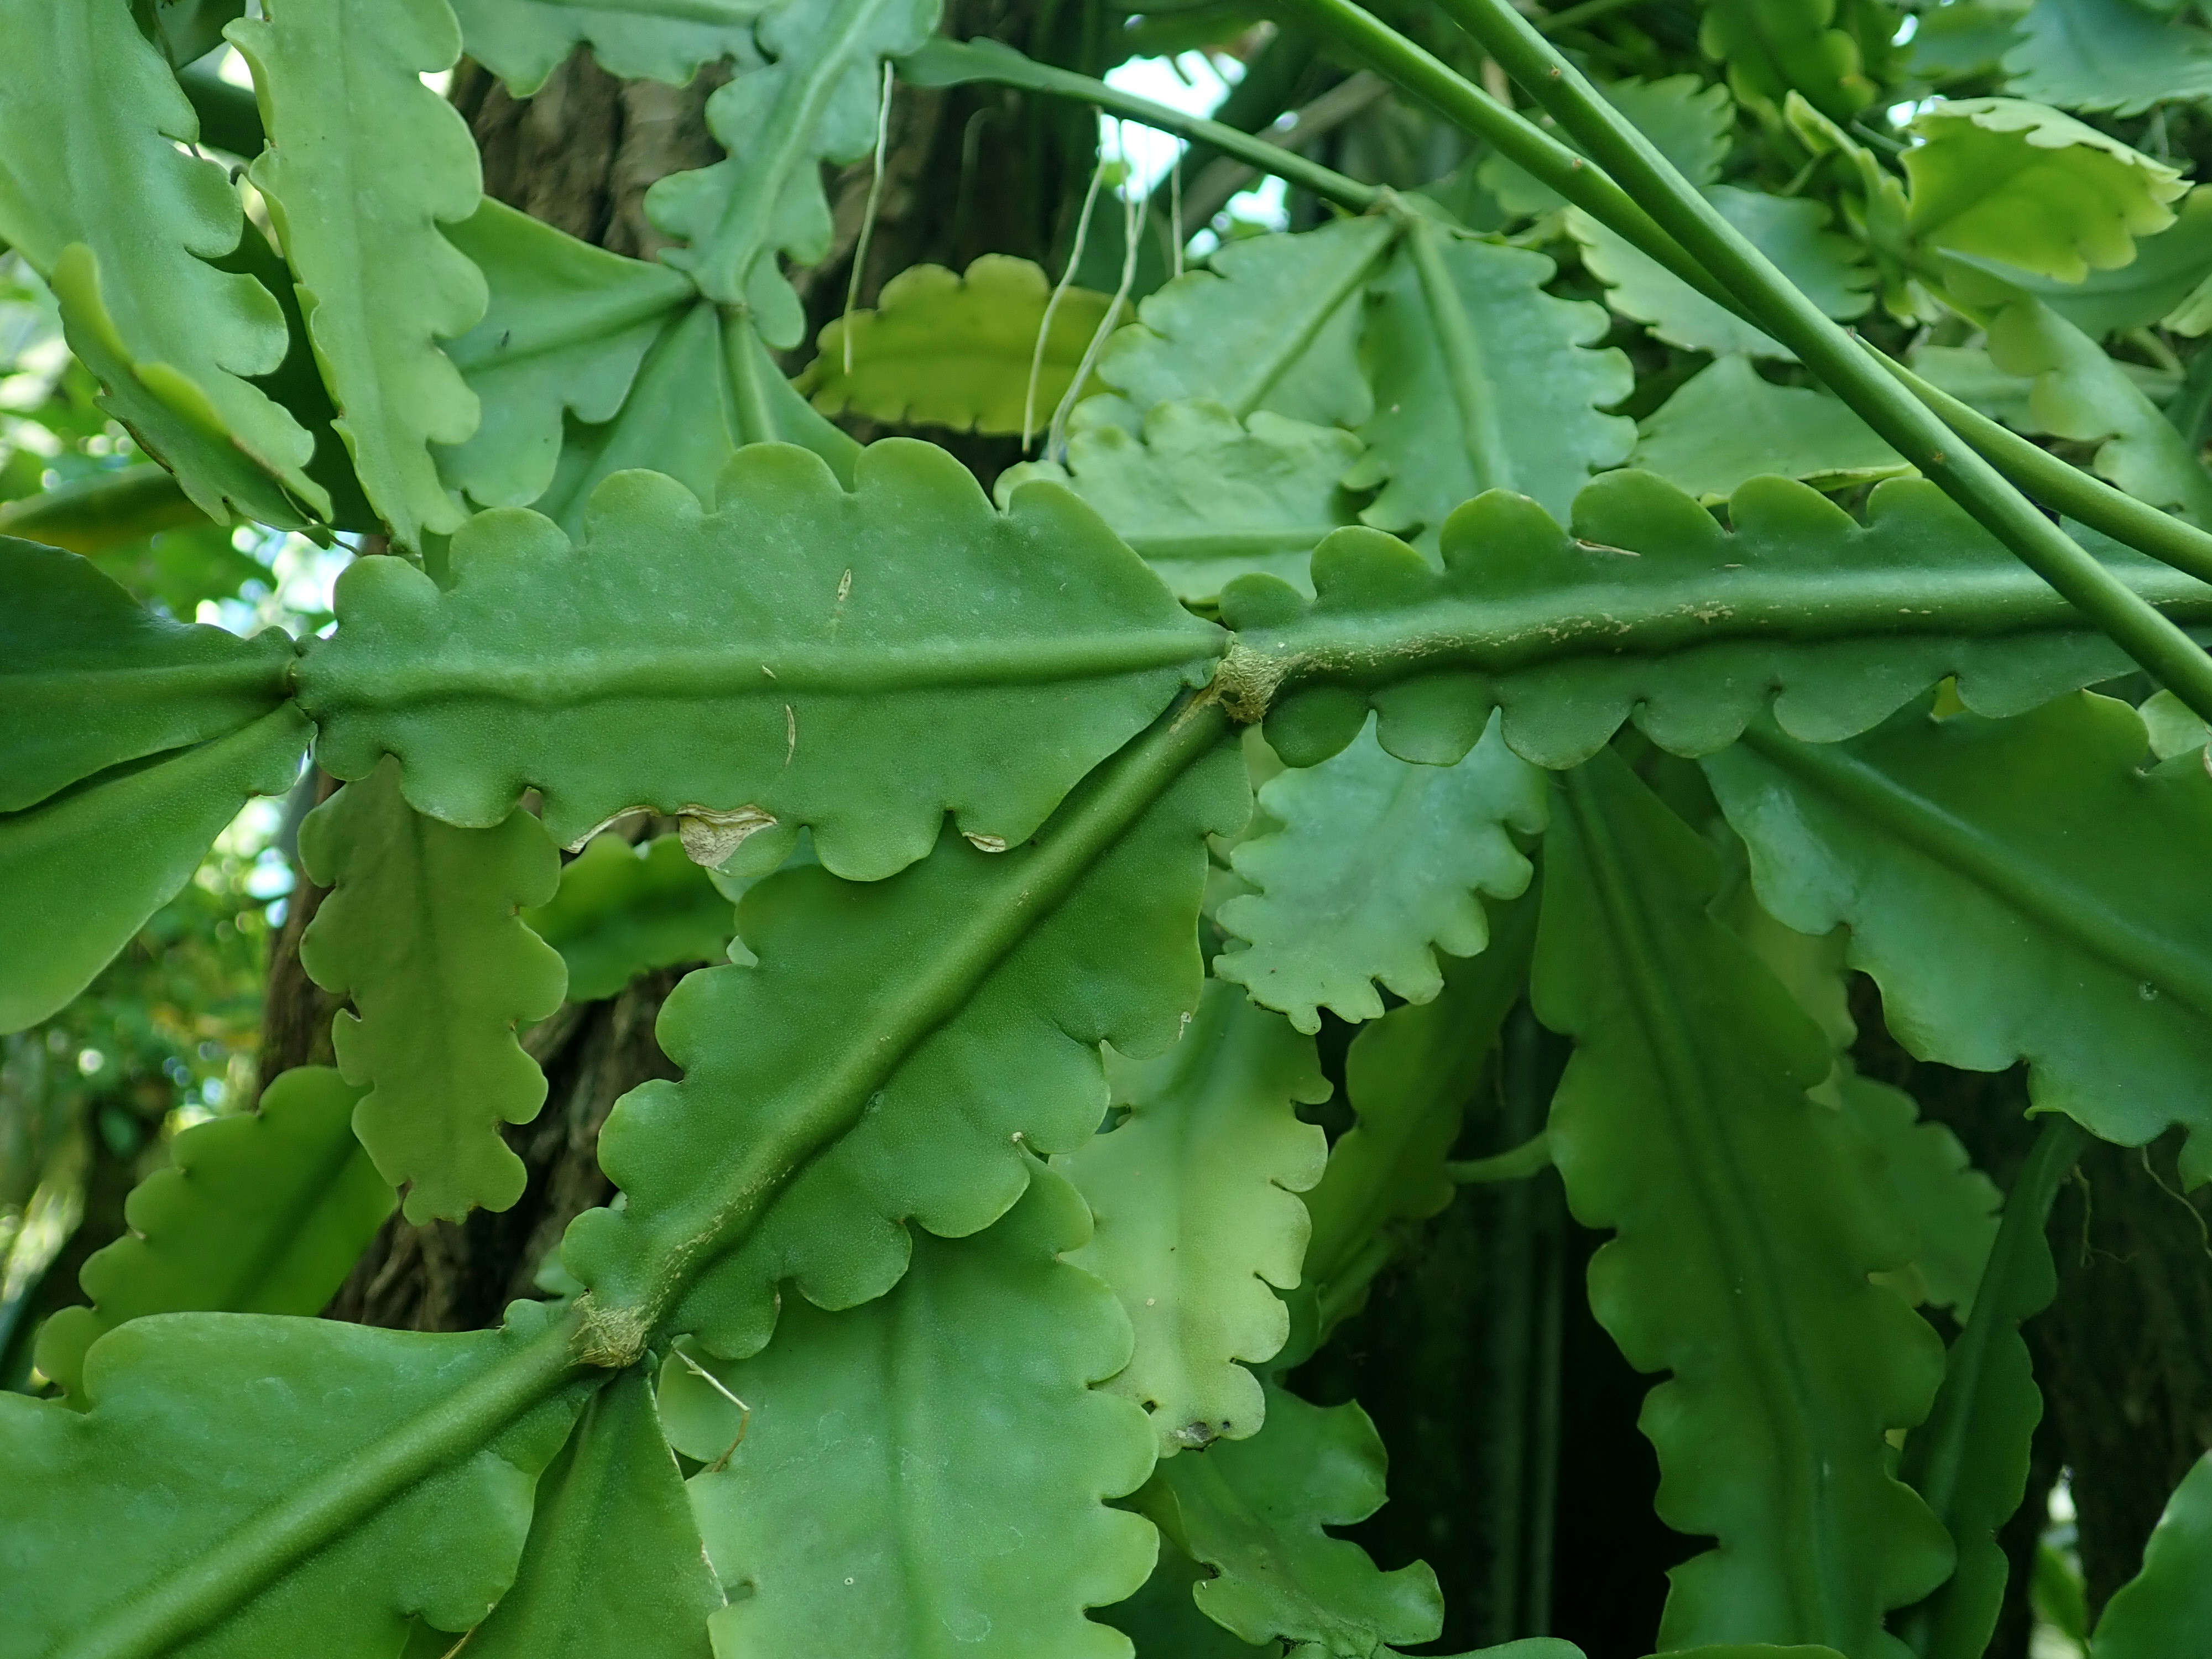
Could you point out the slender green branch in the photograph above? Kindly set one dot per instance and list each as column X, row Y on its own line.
column 943, row 63
column 2065, row 488
column 1558, row 22
column 1884, row 402
column 1516, row 1164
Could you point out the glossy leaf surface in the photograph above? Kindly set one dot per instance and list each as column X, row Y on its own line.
column 1194, row 1193
column 923, row 1477
column 263, row 1212
column 900, row 1048
column 1746, row 1219
column 90, row 679
column 1370, row 866
column 1960, row 852
column 2166, row 1607
column 420, row 931
column 364, row 161
column 816, row 656
column 957, row 351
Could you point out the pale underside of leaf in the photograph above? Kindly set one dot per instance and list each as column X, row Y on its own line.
column 958, row 351
column 420, row 931
column 1375, row 866
column 1198, row 1222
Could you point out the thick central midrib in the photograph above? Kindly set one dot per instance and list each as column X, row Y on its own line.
column 1654, row 618
column 740, row 237
column 1762, row 1318
column 1970, row 852
column 329, row 683
column 1480, row 438
column 689, row 1236
column 1295, row 341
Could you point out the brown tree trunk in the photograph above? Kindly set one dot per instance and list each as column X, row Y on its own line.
column 966, row 172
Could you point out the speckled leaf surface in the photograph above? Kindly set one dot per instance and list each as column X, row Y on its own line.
column 364, row 161
column 925, row 1477
column 900, row 1049
column 614, row 1563
column 420, row 931
column 1482, row 382
column 860, row 662
column 563, row 334
column 199, row 1422
column 1746, row 1219
column 1840, row 622
column 1256, row 1512
column 523, row 41
column 1366, row 866
column 2020, row 890
column 264, row 1211
column 1199, row 1223
column 815, row 100
column 942, row 349
column 87, row 159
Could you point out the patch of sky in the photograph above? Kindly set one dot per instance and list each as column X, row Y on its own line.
column 1195, row 82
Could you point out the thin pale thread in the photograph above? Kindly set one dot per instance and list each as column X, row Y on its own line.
column 1052, row 304
column 1055, row 447
column 868, row 218
column 745, row 1421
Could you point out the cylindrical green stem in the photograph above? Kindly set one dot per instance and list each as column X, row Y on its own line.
column 1884, row 402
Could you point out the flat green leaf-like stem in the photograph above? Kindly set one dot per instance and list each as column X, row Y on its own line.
column 859, row 662
column 1840, row 623
column 925, row 1477
column 1199, row 1221
column 2023, row 889
column 264, row 1211
column 420, row 931
column 2166, row 1609
column 899, row 1049
column 1747, row 1218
